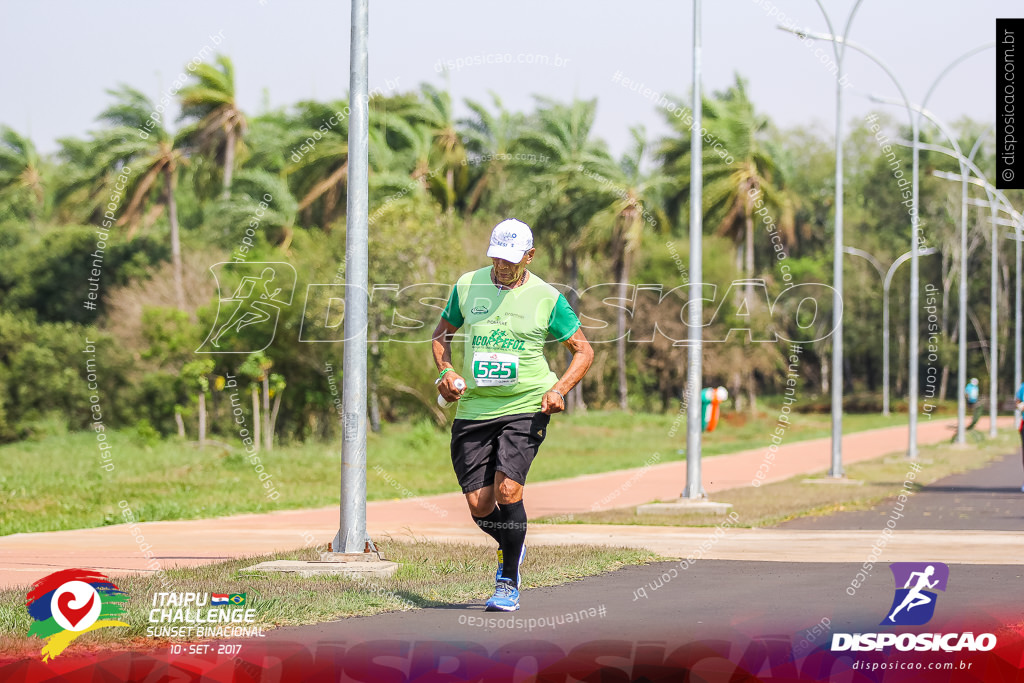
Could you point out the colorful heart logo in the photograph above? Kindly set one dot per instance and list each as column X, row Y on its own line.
column 75, row 605
column 74, row 615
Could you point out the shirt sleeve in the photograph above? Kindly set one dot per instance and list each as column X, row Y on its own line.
column 453, row 310
column 563, row 322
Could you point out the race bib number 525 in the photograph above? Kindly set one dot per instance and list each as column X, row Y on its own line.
column 495, row 369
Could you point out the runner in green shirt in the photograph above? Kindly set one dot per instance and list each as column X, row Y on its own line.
column 507, row 315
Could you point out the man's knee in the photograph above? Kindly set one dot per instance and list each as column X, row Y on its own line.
column 481, row 502
column 509, row 491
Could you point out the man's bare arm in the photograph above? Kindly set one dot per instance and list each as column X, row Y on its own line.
column 441, row 345
column 582, row 357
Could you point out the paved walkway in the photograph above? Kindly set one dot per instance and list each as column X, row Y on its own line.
column 115, row 551
column 987, row 498
column 729, row 592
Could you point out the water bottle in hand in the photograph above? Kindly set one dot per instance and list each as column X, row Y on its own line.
column 459, row 384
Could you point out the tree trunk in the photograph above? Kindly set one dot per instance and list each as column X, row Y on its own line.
column 825, row 374
column 749, row 256
column 450, row 179
column 944, row 383
column 736, row 391
column 273, row 414
column 268, row 427
column 256, row 438
column 372, row 377
column 620, row 344
column 202, row 419
column 374, row 408
column 229, row 162
column 172, row 217
column 752, row 395
column 181, row 424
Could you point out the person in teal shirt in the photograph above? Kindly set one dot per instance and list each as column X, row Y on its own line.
column 508, row 393
column 972, row 392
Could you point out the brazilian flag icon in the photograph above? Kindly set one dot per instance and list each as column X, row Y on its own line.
column 237, row 599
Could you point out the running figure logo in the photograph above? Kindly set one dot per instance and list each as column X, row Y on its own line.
column 914, row 603
column 262, row 289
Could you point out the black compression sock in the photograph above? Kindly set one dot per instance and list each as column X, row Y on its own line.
column 513, row 534
column 489, row 524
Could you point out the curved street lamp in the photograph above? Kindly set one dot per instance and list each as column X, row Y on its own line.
column 997, row 202
column 839, row 49
column 914, row 209
column 961, row 402
column 886, row 282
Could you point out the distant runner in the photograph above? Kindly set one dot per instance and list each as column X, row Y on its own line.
column 506, row 314
column 972, row 392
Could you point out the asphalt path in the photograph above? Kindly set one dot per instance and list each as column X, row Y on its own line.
column 683, row 601
column 720, row 620
column 987, row 499
column 711, row 598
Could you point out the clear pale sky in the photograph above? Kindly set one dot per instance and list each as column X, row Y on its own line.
column 60, row 56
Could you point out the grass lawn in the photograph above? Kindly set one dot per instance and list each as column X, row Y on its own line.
column 57, row 482
column 431, row 574
column 773, row 503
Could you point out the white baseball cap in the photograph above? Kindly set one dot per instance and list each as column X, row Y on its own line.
column 510, row 240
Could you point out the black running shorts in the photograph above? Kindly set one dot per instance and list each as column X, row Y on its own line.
column 507, row 444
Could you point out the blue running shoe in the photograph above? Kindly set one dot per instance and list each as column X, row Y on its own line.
column 505, row 598
column 501, row 563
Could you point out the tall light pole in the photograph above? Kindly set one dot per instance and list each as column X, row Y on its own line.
column 996, row 201
column 993, row 321
column 1017, row 317
column 839, row 49
column 961, row 402
column 1018, row 238
column 961, row 406
column 915, row 218
column 961, row 432
column 694, row 489
column 352, row 536
column 914, row 223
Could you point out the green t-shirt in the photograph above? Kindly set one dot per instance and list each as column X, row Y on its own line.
column 503, row 364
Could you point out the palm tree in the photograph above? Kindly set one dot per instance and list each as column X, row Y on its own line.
column 216, row 124
column 256, row 192
column 21, row 173
column 562, row 196
column 564, row 153
column 741, row 170
column 150, row 158
column 632, row 206
column 318, row 164
column 79, row 191
column 448, row 152
column 489, row 140
column 266, row 142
